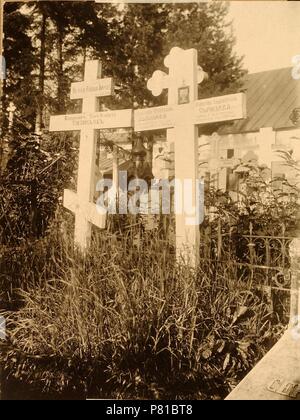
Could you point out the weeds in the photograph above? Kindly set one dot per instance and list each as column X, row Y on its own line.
column 126, row 321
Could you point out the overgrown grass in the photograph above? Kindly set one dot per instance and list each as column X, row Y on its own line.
column 126, row 321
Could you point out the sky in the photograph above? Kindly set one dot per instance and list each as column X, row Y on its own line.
column 267, row 33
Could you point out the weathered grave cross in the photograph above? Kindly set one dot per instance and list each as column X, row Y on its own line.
column 81, row 203
column 181, row 117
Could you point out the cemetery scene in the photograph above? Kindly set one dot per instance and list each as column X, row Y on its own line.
column 149, row 187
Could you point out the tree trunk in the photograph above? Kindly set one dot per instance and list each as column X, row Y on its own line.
column 40, row 104
column 60, row 71
column 3, row 157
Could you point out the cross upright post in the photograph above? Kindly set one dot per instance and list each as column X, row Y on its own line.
column 183, row 74
column 182, row 84
column 86, row 166
column 81, row 203
column 181, row 118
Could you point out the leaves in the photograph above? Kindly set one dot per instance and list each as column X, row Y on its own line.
column 226, row 361
column 37, row 173
column 129, row 319
column 132, row 42
column 240, row 311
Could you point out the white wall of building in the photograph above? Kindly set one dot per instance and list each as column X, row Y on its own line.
column 214, row 151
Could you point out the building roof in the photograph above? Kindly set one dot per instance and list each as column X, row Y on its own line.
column 271, row 97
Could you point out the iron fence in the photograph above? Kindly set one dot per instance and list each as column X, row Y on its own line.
column 263, row 261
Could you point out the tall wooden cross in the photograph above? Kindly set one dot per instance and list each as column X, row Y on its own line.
column 181, row 117
column 81, row 203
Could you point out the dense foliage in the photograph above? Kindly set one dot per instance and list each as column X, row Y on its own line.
column 127, row 322
column 268, row 208
column 132, row 42
column 38, row 170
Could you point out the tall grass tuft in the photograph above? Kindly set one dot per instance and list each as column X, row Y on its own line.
column 126, row 321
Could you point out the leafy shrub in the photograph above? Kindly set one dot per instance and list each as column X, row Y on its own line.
column 37, row 171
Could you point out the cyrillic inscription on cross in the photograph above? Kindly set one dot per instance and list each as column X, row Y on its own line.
column 81, row 203
column 181, row 117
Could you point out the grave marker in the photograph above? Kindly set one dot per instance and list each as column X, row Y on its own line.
column 81, row 202
column 220, row 108
column 181, row 117
column 91, row 88
column 154, row 118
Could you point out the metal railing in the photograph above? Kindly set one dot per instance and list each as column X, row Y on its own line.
column 264, row 261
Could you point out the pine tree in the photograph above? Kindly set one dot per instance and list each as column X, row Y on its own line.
column 75, row 31
column 143, row 34
column 136, row 50
column 21, row 59
column 131, row 42
column 204, row 26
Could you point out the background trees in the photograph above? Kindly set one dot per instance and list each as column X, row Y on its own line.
column 205, row 27
column 20, row 55
column 46, row 44
column 144, row 34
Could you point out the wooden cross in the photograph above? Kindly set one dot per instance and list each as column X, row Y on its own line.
column 181, row 117
column 81, row 203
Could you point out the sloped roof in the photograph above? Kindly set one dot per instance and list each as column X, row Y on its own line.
column 271, row 97
column 106, row 164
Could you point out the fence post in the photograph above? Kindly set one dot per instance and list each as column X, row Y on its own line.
column 295, row 282
column 283, row 246
column 219, row 239
column 251, row 246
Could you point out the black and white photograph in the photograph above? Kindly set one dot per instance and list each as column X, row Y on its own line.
column 149, row 203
